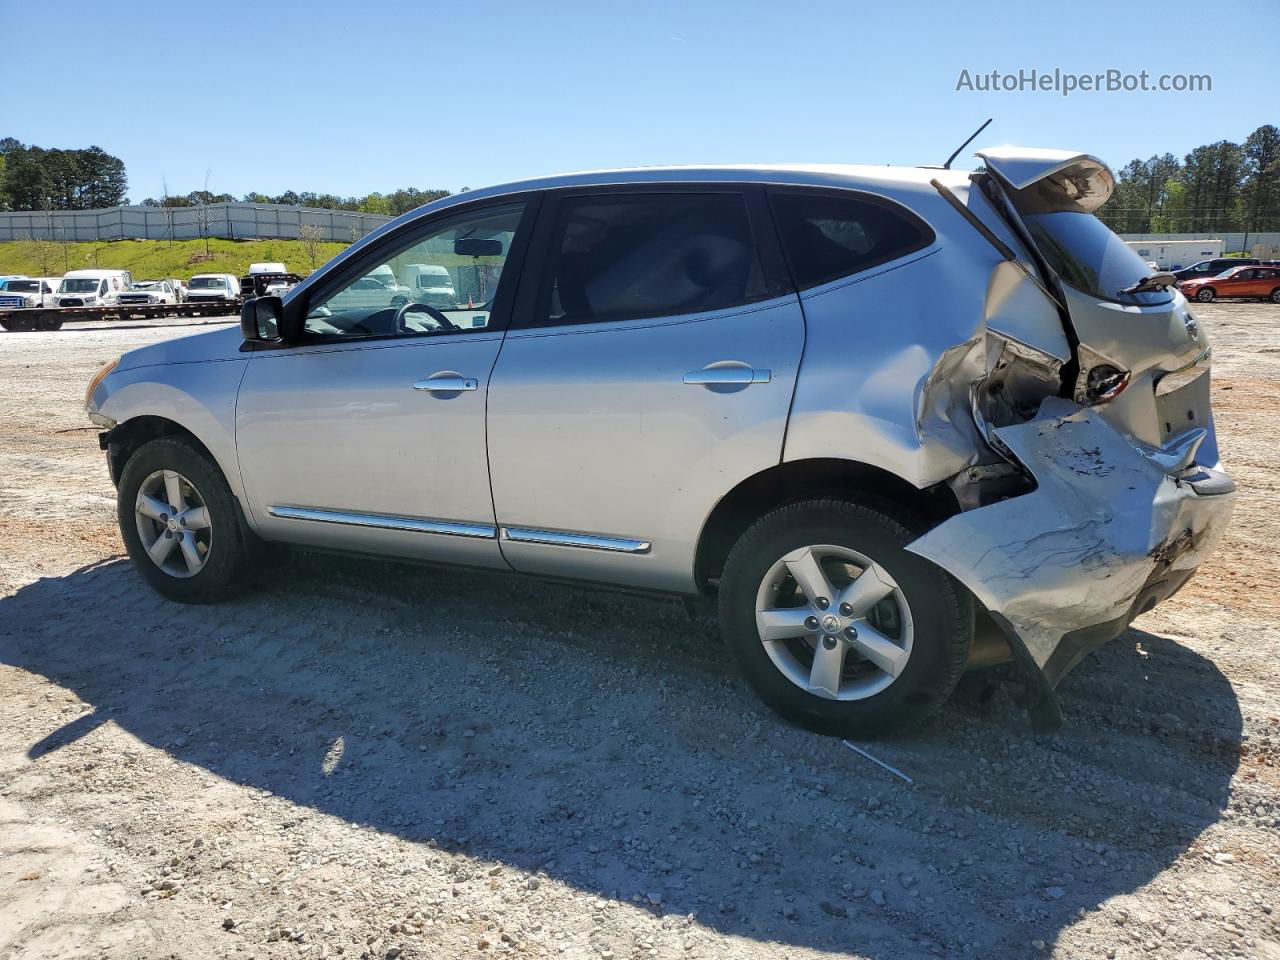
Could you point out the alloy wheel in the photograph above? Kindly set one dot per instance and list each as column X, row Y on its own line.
column 173, row 523
column 834, row 622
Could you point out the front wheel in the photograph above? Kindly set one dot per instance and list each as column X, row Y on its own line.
column 179, row 523
column 1206, row 294
column 1275, row 295
column 836, row 626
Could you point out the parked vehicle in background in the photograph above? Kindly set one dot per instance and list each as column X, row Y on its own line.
column 265, row 279
column 93, row 288
column 895, row 421
column 430, row 283
column 1262, row 283
column 376, row 290
column 213, row 287
column 1211, row 268
column 25, row 292
column 149, row 291
column 179, row 288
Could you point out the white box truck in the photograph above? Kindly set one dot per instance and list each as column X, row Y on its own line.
column 1175, row 254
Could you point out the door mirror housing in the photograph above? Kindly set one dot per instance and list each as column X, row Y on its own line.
column 266, row 320
column 477, row 247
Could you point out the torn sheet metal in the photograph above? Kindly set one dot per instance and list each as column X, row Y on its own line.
column 1104, row 520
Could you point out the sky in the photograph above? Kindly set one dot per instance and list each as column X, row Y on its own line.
column 348, row 98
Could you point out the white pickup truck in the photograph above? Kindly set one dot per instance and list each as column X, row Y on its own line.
column 24, row 292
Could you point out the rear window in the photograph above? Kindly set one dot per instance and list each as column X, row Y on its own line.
column 1080, row 248
column 829, row 235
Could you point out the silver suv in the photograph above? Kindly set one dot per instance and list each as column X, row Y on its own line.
column 899, row 422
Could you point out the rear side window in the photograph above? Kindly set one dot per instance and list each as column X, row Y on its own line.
column 827, row 235
column 630, row 256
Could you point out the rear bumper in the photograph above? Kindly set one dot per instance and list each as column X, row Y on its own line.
column 1105, row 536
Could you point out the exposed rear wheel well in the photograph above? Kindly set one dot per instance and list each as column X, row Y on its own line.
column 808, row 480
column 127, row 437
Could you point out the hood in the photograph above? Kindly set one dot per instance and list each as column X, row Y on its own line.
column 216, row 345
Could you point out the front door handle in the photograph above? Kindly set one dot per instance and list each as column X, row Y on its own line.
column 446, row 381
column 726, row 373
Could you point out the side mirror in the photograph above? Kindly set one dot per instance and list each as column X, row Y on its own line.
column 477, row 247
column 265, row 319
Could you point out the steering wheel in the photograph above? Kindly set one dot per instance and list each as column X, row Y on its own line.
column 432, row 312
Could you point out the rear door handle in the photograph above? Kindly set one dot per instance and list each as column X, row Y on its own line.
column 445, row 382
column 725, row 372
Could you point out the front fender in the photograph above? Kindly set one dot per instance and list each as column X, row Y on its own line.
column 199, row 397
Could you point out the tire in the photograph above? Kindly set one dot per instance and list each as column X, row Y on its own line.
column 1206, row 294
column 228, row 548
column 6, row 325
column 48, row 321
column 1275, row 295
column 930, row 626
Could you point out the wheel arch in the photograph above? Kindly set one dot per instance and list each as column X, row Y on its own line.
column 809, row 479
column 124, row 439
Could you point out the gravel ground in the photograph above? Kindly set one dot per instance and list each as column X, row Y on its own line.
column 369, row 760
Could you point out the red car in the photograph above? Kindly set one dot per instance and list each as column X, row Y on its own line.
column 1238, row 282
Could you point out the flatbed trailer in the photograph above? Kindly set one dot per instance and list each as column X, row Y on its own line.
column 52, row 318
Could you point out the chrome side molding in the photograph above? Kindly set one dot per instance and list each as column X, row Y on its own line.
column 452, row 528
column 584, row 540
column 449, row 528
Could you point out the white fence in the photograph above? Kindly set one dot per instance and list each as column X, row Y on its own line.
column 1234, row 242
column 230, row 220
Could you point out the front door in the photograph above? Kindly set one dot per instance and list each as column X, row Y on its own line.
column 649, row 369
column 369, row 434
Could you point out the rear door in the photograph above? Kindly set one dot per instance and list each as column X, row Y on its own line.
column 650, row 367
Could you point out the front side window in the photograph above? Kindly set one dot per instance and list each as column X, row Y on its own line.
column 828, row 235
column 631, row 256
column 443, row 282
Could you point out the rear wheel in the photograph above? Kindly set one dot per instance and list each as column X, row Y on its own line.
column 1206, row 294
column 836, row 626
column 179, row 523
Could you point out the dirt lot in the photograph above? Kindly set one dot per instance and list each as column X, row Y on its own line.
column 368, row 760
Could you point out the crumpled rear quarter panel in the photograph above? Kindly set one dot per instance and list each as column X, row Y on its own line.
column 1076, row 552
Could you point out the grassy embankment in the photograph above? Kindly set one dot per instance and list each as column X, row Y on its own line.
column 158, row 258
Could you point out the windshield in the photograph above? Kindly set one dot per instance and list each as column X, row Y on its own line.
column 146, row 285
column 435, row 281
column 79, row 285
column 1088, row 256
column 1225, row 273
column 22, row 286
column 207, row 283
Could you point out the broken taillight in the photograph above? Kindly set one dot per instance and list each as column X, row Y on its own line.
column 1105, row 382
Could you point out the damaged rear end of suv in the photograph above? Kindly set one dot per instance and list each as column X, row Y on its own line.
column 1100, row 490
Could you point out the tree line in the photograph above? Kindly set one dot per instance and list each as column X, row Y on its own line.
column 37, row 178
column 1217, row 188
column 389, row 204
column 1221, row 187
column 34, row 178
